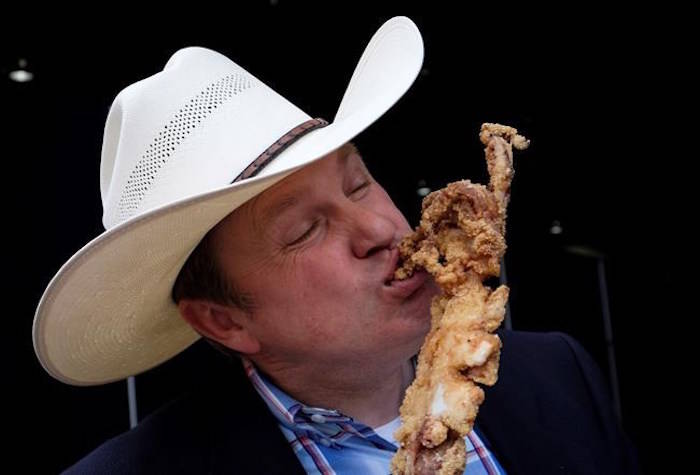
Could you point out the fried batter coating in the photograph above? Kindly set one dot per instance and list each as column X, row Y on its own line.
column 460, row 241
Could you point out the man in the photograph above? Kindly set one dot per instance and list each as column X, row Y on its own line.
column 313, row 255
column 233, row 215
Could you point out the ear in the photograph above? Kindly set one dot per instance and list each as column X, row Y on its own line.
column 227, row 325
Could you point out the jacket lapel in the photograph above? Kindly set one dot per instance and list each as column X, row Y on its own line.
column 242, row 422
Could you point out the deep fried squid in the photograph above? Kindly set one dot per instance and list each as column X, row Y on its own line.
column 460, row 241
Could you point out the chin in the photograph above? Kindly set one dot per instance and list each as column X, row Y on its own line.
column 420, row 332
column 422, row 300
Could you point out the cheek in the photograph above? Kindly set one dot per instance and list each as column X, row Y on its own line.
column 329, row 287
column 327, row 277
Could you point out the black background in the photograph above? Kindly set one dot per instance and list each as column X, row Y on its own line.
column 599, row 92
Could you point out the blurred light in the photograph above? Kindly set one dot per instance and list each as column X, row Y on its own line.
column 21, row 74
column 423, row 189
column 584, row 251
column 556, row 228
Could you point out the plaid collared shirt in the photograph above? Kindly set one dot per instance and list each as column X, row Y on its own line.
column 328, row 442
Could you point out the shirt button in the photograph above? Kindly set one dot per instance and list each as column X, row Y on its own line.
column 318, row 418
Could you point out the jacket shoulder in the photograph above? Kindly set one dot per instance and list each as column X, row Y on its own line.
column 222, row 426
column 161, row 443
column 553, row 395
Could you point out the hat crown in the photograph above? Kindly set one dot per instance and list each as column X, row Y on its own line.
column 186, row 130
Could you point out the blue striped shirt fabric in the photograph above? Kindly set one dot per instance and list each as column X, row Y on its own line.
column 328, row 442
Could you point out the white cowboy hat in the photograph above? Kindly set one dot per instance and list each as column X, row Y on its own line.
column 179, row 154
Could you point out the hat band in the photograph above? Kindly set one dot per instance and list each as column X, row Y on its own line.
column 279, row 146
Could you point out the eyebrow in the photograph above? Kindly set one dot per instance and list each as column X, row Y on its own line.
column 287, row 201
column 348, row 149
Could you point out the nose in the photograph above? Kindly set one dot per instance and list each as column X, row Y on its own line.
column 371, row 231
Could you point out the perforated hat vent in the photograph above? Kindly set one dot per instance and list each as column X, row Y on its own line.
column 172, row 135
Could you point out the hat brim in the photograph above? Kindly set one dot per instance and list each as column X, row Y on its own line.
column 108, row 314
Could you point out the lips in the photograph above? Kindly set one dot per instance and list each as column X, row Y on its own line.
column 402, row 288
column 392, row 264
column 407, row 287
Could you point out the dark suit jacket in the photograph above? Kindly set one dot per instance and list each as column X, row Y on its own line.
column 549, row 413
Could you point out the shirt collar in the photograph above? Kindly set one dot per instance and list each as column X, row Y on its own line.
column 318, row 423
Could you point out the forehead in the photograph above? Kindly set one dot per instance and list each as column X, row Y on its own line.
column 288, row 192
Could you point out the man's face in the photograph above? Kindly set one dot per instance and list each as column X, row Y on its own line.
column 315, row 252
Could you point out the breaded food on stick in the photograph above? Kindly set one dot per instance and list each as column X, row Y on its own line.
column 460, row 241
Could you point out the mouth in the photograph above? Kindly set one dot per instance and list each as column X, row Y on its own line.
column 405, row 288
column 402, row 288
column 392, row 265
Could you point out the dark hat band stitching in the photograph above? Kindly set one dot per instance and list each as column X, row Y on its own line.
column 279, row 146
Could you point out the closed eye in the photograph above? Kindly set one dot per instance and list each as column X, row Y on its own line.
column 307, row 234
column 360, row 187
